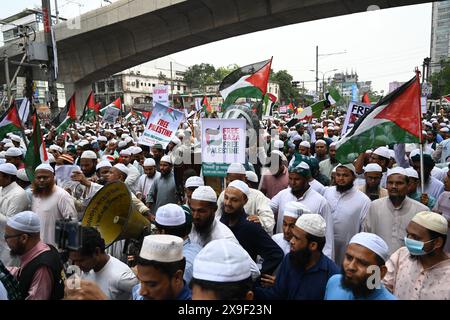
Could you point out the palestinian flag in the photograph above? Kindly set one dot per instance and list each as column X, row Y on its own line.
column 91, row 109
column 365, row 98
column 207, row 108
column 290, row 108
column 447, row 97
column 395, row 119
column 246, row 82
column 115, row 104
column 71, row 116
column 269, row 99
column 36, row 153
column 10, row 121
column 312, row 111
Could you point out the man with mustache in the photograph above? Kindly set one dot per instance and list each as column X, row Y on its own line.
column 364, row 251
column 388, row 217
column 305, row 270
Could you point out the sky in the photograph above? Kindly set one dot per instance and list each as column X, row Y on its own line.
column 381, row 46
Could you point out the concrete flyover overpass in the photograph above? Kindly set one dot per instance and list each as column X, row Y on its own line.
column 130, row 32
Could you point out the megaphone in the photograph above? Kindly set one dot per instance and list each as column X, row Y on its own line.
column 111, row 213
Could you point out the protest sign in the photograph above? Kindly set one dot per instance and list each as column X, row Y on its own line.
column 161, row 95
column 354, row 112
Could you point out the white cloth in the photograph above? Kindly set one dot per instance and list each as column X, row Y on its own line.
column 439, row 173
column 3, row 292
column 115, row 279
column 257, row 204
column 348, row 209
column 283, row 244
column 390, row 223
column 218, row 231
column 13, row 199
column 145, row 183
column 132, row 179
column 317, row 186
column 433, row 188
column 57, row 206
column 314, row 202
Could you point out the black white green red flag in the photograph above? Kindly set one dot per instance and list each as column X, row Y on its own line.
column 36, row 152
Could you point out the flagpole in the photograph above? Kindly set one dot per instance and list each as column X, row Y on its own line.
column 420, row 136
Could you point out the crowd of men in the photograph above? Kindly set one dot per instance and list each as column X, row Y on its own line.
column 307, row 228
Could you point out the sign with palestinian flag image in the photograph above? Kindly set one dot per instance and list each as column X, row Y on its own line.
column 223, row 142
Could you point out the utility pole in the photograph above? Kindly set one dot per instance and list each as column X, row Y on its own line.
column 8, row 81
column 56, row 11
column 171, row 82
column 317, row 71
column 47, row 18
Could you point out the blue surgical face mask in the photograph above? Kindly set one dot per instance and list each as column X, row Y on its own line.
column 415, row 247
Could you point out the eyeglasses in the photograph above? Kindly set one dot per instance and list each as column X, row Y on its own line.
column 13, row 236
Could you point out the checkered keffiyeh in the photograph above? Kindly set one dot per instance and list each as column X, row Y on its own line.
column 10, row 283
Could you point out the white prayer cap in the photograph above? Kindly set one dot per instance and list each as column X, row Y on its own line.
column 373, row 167
column 194, row 181
column 333, row 144
column 22, row 175
column 222, row 260
column 305, row 144
column 103, row 164
column 166, row 158
column 15, row 138
column 88, row 154
column 295, row 209
column 320, row 141
column 372, row 242
column 396, row 170
column 128, row 140
column 349, row 166
column 410, row 172
column 432, row 221
column 278, row 144
column 6, row 140
column 25, row 221
column 9, row 145
column 319, row 130
column 125, row 152
column 135, row 150
column 122, row 144
column 236, row 168
column 312, row 223
column 330, row 127
column 51, row 158
column 46, row 167
column 204, row 193
column 241, row 186
column 83, row 143
column 445, row 129
column 55, row 148
column 123, row 136
column 13, row 152
column 176, row 140
column 296, row 136
column 117, row 125
column 162, row 248
column 382, row 152
column 149, row 162
column 28, row 131
column 280, row 154
column 102, row 138
column 112, row 141
column 442, row 124
column 391, row 154
column 121, row 167
column 251, row 176
column 8, row 168
column 170, row 215
column 414, row 152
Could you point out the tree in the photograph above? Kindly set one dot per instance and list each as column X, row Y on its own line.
column 222, row 72
column 162, row 76
column 284, row 80
column 198, row 75
column 441, row 81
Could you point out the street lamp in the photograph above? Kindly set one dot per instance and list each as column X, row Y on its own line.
column 323, row 79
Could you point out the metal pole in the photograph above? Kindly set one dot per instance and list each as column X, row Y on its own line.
column 317, row 71
column 8, row 81
column 56, row 11
column 171, row 82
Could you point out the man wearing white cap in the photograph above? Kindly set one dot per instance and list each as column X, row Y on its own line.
column 304, row 148
column 381, row 156
column 421, row 269
column 15, row 156
column 326, row 166
column 133, row 173
column 257, row 206
column 389, row 216
column 364, row 251
column 40, row 272
column 146, row 180
column 50, row 202
column 102, row 171
column 205, row 226
column 371, row 182
column 190, row 185
column 413, row 183
column 160, row 268
column 300, row 191
column 320, row 150
column 114, row 277
column 277, row 177
column 13, row 198
column 250, row 235
column 304, row 272
column 164, row 189
column 349, row 207
column 222, row 272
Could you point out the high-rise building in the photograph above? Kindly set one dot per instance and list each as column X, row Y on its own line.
column 440, row 34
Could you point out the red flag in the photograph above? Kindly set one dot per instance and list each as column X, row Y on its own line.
column 365, row 98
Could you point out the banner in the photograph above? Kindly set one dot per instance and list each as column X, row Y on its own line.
column 161, row 126
column 223, row 142
column 161, row 95
column 354, row 111
column 111, row 114
column 198, row 103
column 283, row 109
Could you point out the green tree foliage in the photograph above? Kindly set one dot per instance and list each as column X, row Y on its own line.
column 198, row 76
column 441, row 81
column 287, row 90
